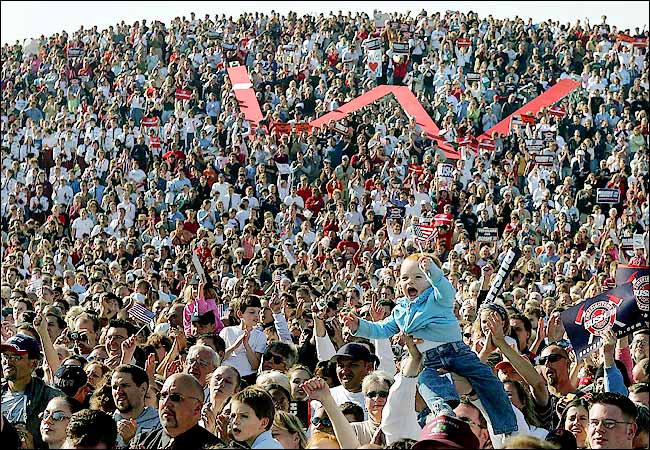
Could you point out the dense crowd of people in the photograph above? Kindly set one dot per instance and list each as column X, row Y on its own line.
column 175, row 275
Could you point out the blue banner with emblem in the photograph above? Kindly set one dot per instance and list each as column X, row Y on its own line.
column 639, row 278
column 615, row 309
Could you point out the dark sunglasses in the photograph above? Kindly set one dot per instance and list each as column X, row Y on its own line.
column 552, row 358
column 375, row 394
column 176, row 398
column 276, row 359
column 467, row 335
column 57, row 416
column 316, row 421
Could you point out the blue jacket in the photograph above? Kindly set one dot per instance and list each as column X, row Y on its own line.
column 430, row 316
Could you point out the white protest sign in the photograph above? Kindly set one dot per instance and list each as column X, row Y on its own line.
column 373, row 56
column 444, row 174
column 197, row 265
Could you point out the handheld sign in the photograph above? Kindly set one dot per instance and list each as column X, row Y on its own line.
column 608, row 196
column 197, row 265
column 373, row 44
column 507, row 265
column 615, row 309
column 487, row 234
column 534, row 145
column 639, row 278
column 544, row 160
column 401, row 48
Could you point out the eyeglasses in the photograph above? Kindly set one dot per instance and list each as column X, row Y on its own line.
column 467, row 335
column 552, row 358
column 276, row 359
column 375, row 394
column 175, row 397
column 12, row 357
column 57, row 416
column 317, row 421
column 609, row 424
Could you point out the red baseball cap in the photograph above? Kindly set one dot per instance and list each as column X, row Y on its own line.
column 447, row 431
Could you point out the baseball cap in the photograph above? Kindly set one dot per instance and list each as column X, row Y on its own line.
column 563, row 438
column 205, row 318
column 355, row 351
column 504, row 365
column 196, row 279
column 21, row 344
column 69, row 379
column 448, row 431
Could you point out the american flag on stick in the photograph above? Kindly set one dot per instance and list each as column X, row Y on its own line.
column 140, row 312
column 277, row 276
column 222, row 309
column 424, row 233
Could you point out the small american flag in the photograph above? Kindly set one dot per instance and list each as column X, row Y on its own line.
column 277, row 276
column 140, row 312
column 425, row 233
column 222, row 309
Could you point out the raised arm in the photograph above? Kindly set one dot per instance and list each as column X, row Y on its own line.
column 317, row 389
column 521, row 364
column 51, row 357
column 399, row 419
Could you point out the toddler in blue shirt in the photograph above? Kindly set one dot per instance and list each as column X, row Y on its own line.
column 426, row 311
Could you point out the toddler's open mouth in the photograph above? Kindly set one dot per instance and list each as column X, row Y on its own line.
column 412, row 293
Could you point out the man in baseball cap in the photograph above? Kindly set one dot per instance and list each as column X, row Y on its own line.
column 446, row 432
column 24, row 396
column 73, row 381
column 353, row 362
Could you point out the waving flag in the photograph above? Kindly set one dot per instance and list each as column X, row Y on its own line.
column 140, row 312
column 424, row 233
column 557, row 111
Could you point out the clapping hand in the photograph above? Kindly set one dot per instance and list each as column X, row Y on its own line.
column 127, row 428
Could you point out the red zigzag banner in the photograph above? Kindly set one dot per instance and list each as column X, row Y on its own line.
column 250, row 107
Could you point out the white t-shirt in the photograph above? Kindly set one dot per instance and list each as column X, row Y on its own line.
column 82, row 227
column 238, row 359
column 342, row 395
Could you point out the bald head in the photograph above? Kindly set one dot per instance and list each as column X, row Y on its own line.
column 181, row 399
column 189, row 385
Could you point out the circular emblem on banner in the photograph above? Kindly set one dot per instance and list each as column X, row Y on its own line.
column 641, row 288
column 599, row 317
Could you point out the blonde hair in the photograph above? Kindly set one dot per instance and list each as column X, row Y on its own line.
column 291, row 424
column 523, row 441
column 318, row 436
column 416, row 257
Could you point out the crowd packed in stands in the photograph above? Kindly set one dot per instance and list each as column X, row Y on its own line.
column 175, row 275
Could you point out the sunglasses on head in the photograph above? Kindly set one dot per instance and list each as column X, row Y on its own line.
column 276, row 359
column 57, row 416
column 375, row 394
column 552, row 358
column 316, row 421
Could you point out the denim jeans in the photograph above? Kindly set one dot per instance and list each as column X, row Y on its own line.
column 458, row 358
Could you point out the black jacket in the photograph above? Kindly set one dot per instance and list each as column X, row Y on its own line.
column 196, row 437
column 38, row 396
